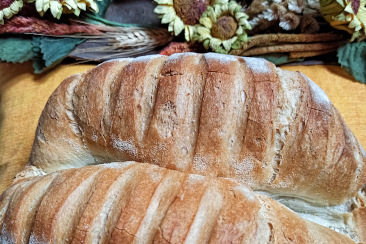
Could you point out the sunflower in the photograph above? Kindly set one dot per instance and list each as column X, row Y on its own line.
column 222, row 27
column 10, row 11
column 65, row 6
column 183, row 14
column 346, row 15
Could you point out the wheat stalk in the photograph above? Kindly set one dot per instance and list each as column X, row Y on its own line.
column 118, row 42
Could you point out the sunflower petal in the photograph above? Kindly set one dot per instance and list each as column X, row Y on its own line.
column 163, row 9
column 81, row 5
column 220, row 49
column 1, row 17
column 7, row 13
column 16, row 6
column 355, row 23
column 77, row 11
column 178, row 26
column 56, row 9
column 189, row 32
column 244, row 22
column 203, row 33
column 215, row 43
column 46, row 5
column 220, row 1
column 206, row 22
column 239, row 31
column 341, row 3
column 227, row 44
column 355, row 36
column 232, row 7
column 171, row 26
column 206, row 44
column 71, row 3
column 237, row 8
column 39, row 5
column 218, row 10
column 224, row 8
column 348, row 9
column 168, row 17
column 240, row 15
column 94, row 6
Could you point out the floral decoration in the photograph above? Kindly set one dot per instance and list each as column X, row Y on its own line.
column 222, row 27
column 183, row 15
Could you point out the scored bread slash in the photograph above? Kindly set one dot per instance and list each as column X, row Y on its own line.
column 62, row 205
column 22, row 209
column 105, row 203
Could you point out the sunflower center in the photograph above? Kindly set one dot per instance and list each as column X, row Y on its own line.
column 224, row 28
column 190, row 11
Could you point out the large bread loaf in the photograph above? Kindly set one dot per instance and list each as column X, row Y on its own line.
column 211, row 114
column 142, row 203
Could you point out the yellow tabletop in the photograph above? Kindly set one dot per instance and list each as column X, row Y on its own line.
column 23, row 96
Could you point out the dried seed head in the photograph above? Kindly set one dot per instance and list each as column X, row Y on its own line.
column 278, row 10
column 289, row 21
column 296, row 5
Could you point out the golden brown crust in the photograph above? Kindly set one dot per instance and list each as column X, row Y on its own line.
column 159, row 206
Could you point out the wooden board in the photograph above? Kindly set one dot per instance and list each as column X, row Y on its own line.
column 23, row 96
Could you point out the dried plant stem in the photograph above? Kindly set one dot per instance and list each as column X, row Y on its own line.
column 122, row 42
column 311, row 53
column 268, row 39
column 284, row 48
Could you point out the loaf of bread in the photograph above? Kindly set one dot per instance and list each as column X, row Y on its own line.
column 215, row 115
column 212, row 115
column 142, row 203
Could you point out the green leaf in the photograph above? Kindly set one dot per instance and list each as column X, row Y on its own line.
column 352, row 57
column 49, row 51
column 15, row 49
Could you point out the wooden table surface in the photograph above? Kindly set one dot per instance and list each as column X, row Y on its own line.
column 23, row 96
